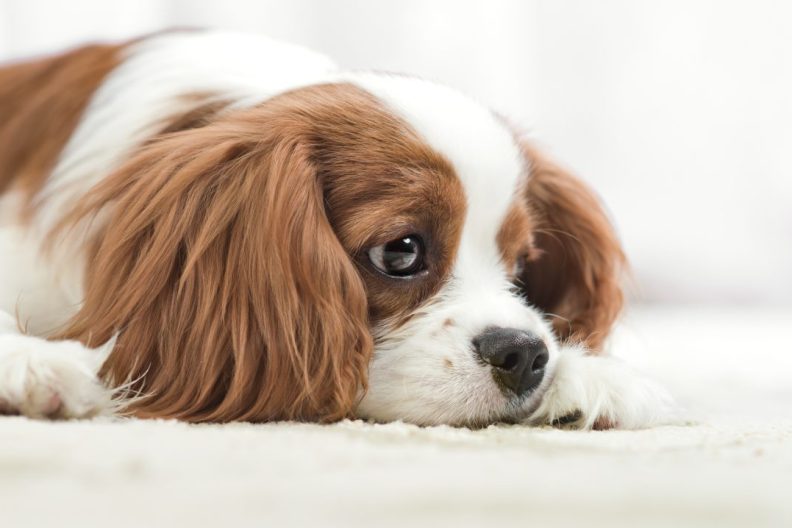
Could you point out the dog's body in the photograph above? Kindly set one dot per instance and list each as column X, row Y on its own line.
column 242, row 232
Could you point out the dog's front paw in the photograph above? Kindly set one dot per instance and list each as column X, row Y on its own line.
column 43, row 379
column 590, row 392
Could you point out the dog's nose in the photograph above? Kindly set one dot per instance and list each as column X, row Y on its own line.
column 518, row 357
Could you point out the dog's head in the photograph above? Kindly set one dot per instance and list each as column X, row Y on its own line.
column 378, row 246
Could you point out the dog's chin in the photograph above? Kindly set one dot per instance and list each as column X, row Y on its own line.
column 516, row 409
column 519, row 409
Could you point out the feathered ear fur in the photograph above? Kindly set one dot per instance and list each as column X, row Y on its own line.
column 576, row 275
column 217, row 268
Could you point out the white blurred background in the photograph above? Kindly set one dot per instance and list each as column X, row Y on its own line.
column 678, row 112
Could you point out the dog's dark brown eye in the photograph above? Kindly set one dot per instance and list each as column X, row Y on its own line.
column 402, row 257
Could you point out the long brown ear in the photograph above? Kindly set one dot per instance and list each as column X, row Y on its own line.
column 216, row 266
column 576, row 275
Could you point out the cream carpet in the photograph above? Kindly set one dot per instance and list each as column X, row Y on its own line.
column 732, row 466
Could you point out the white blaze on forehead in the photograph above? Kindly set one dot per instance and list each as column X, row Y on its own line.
column 427, row 371
column 481, row 150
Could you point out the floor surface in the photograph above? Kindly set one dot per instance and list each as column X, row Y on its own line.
column 731, row 466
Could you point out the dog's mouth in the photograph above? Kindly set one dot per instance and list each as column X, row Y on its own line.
column 522, row 408
column 517, row 411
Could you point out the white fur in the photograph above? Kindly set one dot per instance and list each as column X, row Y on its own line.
column 150, row 85
column 602, row 389
column 154, row 82
column 47, row 379
column 424, row 372
column 133, row 102
column 410, row 374
column 147, row 88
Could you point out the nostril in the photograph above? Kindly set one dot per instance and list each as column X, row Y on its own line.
column 539, row 362
column 510, row 361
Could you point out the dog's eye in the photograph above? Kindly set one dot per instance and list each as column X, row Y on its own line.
column 401, row 257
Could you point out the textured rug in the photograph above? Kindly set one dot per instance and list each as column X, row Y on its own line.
column 731, row 466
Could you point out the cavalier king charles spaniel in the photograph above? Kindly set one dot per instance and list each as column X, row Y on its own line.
column 215, row 227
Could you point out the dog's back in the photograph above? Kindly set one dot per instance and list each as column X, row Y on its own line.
column 66, row 121
column 41, row 103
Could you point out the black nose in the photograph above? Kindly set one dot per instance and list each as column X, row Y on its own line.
column 518, row 357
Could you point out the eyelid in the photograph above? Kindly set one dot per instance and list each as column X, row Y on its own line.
column 394, row 232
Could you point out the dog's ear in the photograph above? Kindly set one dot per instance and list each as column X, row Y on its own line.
column 217, row 269
column 576, row 273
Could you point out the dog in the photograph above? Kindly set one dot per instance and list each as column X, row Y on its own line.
column 212, row 227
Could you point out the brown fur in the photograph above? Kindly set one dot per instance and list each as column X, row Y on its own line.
column 203, row 108
column 224, row 262
column 230, row 259
column 574, row 269
column 382, row 189
column 36, row 119
column 515, row 238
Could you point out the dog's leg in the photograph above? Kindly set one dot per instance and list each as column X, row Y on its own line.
column 591, row 392
column 49, row 379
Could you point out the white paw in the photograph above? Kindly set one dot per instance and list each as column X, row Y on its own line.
column 590, row 392
column 51, row 379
